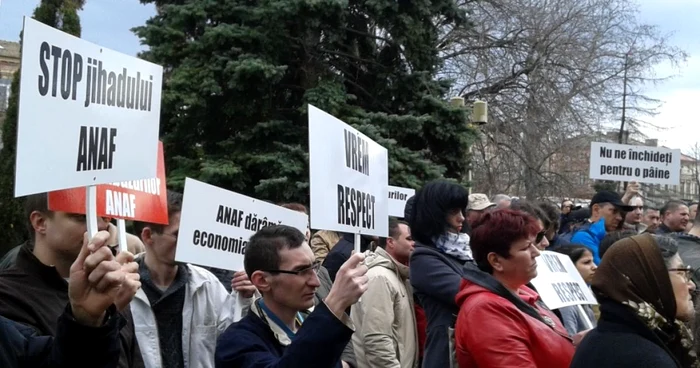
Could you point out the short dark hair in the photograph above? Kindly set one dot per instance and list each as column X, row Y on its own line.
column 496, row 231
column 430, row 208
column 36, row 202
column 671, row 206
column 574, row 251
column 532, row 210
column 295, row 207
column 611, row 238
column 394, row 231
column 552, row 212
column 263, row 249
column 174, row 206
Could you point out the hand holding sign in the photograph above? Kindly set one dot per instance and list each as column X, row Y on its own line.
column 132, row 282
column 95, row 279
column 350, row 283
column 241, row 284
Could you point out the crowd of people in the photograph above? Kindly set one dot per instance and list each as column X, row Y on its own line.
column 450, row 286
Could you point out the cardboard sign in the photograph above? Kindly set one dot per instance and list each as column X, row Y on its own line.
column 559, row 283
column 398, row 196
column 643, row 164
column 216, row 224
column 138, row 200
column 349, row 178
column 87, row 115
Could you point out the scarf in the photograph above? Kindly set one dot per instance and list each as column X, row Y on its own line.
column 455, row 245
column 633, row 273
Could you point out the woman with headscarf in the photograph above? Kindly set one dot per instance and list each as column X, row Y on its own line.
column 436, row 264
column 644, row 292
column 501, row 322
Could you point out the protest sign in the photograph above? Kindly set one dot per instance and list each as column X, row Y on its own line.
column 139, row 200
column 559, row 283
column 349, row 178
column 216, row 224
column 87, row 115
column 643, row 164
column 398, row 197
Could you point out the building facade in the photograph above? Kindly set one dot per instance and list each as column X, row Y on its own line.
column 9, row 64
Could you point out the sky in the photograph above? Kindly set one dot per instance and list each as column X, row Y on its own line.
column 108, row 23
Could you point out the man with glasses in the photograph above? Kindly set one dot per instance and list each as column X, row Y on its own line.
column 280, row 330
column 181, row 309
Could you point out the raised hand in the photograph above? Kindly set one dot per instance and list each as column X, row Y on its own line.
column 242, row 284
column 350, row 283
column 132, row 282
column 95, row 280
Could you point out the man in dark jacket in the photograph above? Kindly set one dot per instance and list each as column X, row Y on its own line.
column 87, row 331
column 689, row 248
column 34, row 291
column 279, row 331
column 342, row 251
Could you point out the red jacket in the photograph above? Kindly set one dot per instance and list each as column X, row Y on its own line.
column 421, row 325
column 492, row 332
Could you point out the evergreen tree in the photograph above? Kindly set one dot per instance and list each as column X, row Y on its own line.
column 63, row 15
column 239, row 76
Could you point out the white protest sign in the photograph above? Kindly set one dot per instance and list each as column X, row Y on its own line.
column 559, row 283
column 87, row 115
column 398, row 196
column 216, row 224
column 349, row 178
column 644, row 164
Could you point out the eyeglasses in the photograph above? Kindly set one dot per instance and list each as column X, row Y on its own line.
column 540, row 236
column 308, row 271
column 687, row 270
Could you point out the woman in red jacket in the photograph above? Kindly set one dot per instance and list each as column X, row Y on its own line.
column 502, row 322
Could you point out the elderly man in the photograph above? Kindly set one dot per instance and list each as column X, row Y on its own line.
column 478, row 204
column 501, row 201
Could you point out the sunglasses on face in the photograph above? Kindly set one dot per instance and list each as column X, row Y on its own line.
column 540, row 236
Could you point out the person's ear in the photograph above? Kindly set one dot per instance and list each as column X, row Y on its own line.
column 147, row 236
column 495, row 261
column 390, row 243
column 38, row 221
column 261, row 281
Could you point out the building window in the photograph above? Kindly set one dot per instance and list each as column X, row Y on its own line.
column 4, row 94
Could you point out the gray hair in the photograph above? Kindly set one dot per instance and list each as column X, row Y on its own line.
column 668, row 247
column 500, row 197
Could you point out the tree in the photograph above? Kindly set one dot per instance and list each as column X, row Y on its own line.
column 239, row 76
column 63, row 15
column 553, row 73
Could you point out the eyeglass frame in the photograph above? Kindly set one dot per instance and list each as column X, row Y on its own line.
column 316, row 266
column 687, row 272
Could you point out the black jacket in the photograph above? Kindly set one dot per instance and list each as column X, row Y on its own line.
column 621, row 340
column 342, row 251
column 35, row 295
column 73, row 346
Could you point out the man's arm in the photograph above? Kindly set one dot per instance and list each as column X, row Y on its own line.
column 75, row 344
column 321, row 329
